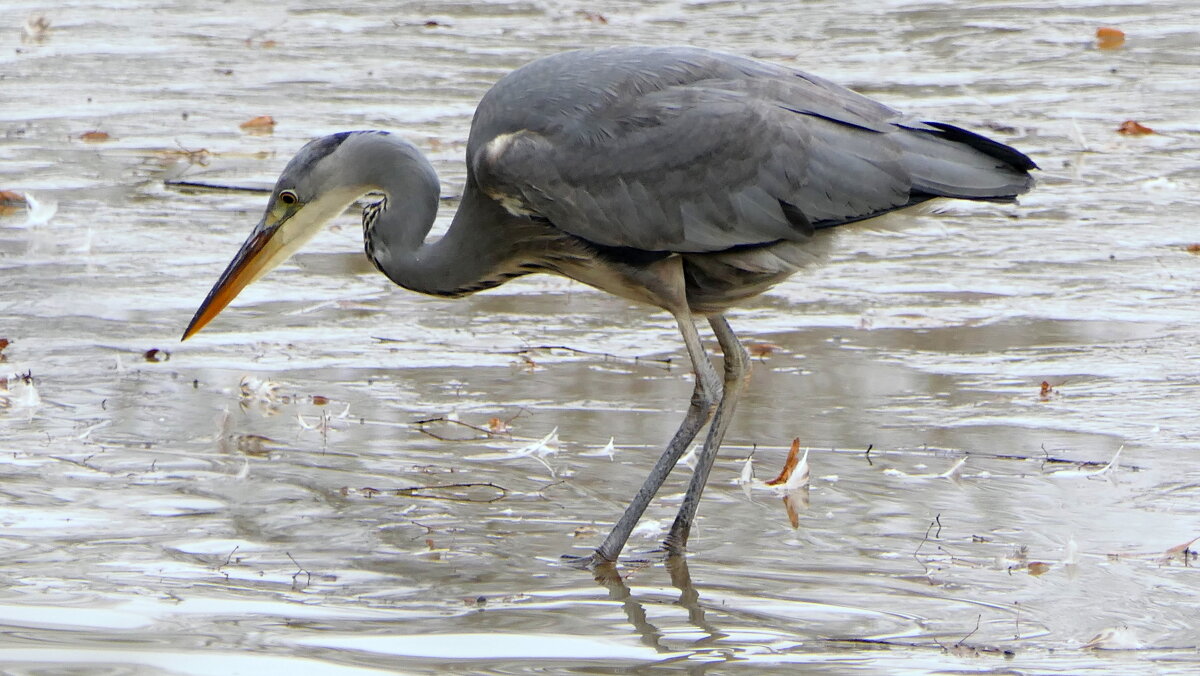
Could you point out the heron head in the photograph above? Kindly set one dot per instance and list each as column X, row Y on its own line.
column 315, row 187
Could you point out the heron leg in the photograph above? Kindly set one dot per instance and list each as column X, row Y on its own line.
column 737, row 362
column 704, row 397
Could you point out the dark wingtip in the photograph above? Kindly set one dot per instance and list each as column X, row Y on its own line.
column 1005, row 153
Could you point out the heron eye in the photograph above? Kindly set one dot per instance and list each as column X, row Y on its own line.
column 288, row 197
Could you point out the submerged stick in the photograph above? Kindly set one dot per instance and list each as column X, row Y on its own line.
column 198, row 185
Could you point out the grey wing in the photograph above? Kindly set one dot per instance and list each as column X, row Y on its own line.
column 696, row 168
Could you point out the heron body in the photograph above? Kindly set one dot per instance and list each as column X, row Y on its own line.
column 682, row 178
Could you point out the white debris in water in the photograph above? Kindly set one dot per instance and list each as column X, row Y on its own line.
column 258, row 389
column 28, row 397
column 538, row 450
column 955, row 470
column 953, row 473
column 799, row 477
column 1076, row 135
column 609, row 450
column 92, row 428
column 1071, row 553
column 304, row 425
column 1120, row 637
column 1161, row 184
column 21, row 394
column 649, row 529
column 548, row 445
column 38, row 212
column 746, row 478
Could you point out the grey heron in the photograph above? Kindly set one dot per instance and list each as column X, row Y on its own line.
column 682, row 178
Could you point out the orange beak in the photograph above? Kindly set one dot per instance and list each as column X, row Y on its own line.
column 257, row 256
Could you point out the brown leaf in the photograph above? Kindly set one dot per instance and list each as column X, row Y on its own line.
column 11, row 198
column 761, row 350
column 94, row 136
column 254, row 444
column 1037, row 568
column 795, row 502
column 1192, row 249
column 263, row 124
column 156, row 355
column 319, row 400
column 1134, row 128
column 497, row 426
column 792, row 512
column 1109, row 38
column 789, row 465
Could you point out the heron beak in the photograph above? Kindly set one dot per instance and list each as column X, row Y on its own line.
column 261, row 252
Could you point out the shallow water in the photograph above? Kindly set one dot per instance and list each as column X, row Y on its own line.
column 237, row 504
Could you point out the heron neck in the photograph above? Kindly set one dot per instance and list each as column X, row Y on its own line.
column 462, row 261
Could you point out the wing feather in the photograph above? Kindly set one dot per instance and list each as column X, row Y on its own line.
column 686, row 150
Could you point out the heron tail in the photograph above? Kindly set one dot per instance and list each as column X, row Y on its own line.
column 948, row 161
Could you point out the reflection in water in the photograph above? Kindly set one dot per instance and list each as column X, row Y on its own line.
column 689, row 599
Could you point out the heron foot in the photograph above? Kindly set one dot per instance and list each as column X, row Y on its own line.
column 592, row 562
column 663, row 553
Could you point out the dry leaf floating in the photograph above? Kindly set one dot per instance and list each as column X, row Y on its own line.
column 1134, row 128
column 1109, row 38
column 263, row 124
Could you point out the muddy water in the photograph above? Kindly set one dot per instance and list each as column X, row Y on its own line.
column 245, row 503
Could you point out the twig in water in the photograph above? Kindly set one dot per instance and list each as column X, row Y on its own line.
column 926, row 539
column 199, row 185
column 543, row 489
column 978, row 619
column 415, row 491
column 429, row 530
column 299, row 569
column 228, row 560
column 487, row 434
column 606, row 355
